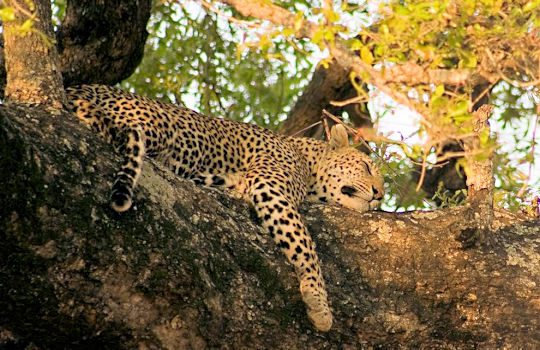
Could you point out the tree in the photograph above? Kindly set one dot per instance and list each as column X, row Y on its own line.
column 97, row 42
column 190, row 267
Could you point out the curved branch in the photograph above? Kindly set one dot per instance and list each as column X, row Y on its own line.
column 189, row 267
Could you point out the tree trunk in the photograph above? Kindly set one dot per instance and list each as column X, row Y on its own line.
column 190, row 267
column 102, row 41
column 98, row 41
column 480, row 180
column 31, row 58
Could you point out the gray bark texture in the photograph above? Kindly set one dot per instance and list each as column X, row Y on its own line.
column 189, row 268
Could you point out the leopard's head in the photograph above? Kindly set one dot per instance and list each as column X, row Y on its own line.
column 347, row 176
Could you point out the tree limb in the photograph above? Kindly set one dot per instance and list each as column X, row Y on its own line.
column 275, row 14
column 97, row 42
column 189, row 267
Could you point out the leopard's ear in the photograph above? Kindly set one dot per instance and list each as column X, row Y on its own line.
column 338, row 137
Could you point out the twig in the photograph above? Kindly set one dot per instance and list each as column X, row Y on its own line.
column 424, row 162
column 483, row 93
column 357, row 99
column 520, row 84
column 306, row 128
column 326, row 128
column 24, row 11
column 227, row 17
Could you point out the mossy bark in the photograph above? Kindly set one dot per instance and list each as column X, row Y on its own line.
column 190, row 267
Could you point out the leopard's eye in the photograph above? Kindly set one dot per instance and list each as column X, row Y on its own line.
column 367, row 168
column 349, row 191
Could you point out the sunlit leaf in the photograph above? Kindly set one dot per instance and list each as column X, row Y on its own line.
column 7, row 14
column 531, row 5
column 460, row 108
column 439, row 90
column 366, row 55
column 483, row 137
column 27, row 25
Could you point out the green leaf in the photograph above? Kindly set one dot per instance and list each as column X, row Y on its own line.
column 439, row 90
column 402, row 10
column 287, row 32
column 333, row 16
column 461, row 118
column 27, row 25
column 531, row 5
column 436, row 102
column 383, row 29
column 366, row 55
column 469, row 60
column 379, row 50
column 7, row 14
column 484, row 137
column 355, row 44
column 460, row 108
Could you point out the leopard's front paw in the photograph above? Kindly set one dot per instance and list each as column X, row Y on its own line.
column 317, row 309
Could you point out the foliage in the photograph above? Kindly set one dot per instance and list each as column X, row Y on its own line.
column 25, row 15
column 194, row 58
column 449, row 199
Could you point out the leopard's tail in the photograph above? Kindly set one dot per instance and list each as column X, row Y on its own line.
column 131, row 147
column 127, row 140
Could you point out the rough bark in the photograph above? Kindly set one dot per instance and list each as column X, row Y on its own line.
column 189, row 267
column 102, row 41
column 31, row 59
column 98, row 41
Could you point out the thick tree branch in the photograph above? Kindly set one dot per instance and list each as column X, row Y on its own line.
column 97, row 42
column 190, row 268
column 100, row 42
column 265, row 10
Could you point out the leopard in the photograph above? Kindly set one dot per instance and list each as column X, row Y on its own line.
column 273, row 172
